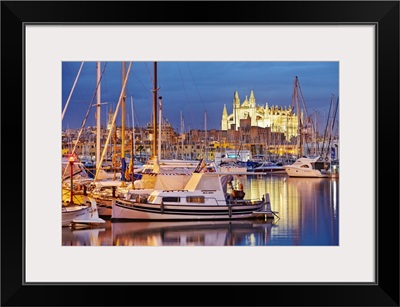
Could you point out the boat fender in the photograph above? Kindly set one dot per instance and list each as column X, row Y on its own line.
column 162, row 207
column 230, row 210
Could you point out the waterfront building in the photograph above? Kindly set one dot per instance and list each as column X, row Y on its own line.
column 261, row 130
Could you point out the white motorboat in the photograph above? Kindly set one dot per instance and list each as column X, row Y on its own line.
column 203, row 197
column 270, row 167
column 308, row 167
column 232, row 167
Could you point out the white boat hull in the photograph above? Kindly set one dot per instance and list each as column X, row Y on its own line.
column 271, row 170
column 311, row 173
column 308, row 167
column 203, row 197
column 233, row 169
column 74, row 212
column 105, row 203
column 81, row 215
column 145, row 211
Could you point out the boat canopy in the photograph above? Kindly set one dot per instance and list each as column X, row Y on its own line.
column 203, row 181
column 171, row 181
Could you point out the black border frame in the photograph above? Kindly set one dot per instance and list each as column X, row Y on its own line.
column 15, row 14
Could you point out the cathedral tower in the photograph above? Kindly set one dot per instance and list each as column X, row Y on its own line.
column 279, row 119
column 224, row 121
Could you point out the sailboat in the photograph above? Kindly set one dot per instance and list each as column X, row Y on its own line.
column 104, row 189
column 307, row 166
column 76, row 206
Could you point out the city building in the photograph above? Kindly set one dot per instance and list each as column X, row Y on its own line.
column 248, row 114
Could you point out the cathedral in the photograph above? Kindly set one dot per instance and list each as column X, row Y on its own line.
column 277, row 118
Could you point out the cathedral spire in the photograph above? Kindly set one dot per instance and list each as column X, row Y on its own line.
column 252, row 95
column 224, row 112
column 236, row 100
column 252, row 99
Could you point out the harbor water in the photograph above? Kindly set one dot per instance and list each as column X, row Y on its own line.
column 307, row 214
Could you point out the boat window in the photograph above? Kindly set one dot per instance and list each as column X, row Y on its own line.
column 172, row 199
column 195, row 199
column 304, row 166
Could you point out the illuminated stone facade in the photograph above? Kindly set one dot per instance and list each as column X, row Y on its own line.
column 277, row 118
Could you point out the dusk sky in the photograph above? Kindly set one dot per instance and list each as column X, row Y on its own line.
column 195, row 88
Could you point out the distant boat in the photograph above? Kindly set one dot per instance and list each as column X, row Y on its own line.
column 232, row 166
column 203, row 197
column 309, row 167
column 169, row 166
column 270, row 167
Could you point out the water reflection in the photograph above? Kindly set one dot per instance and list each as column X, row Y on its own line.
column 308, row 209
column 215, row 233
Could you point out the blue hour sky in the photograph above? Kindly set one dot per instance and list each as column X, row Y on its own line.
column 194, row 89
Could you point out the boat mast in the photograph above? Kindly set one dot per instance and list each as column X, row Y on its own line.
column 113, row 120
column 160, row 127
column 331, row 133
column 323, row 154
column 190, row 146
column 72, row 90
column 205, row 137
column 133, row 144
column 182, row 141
column 123, row 112
column 154, row 154
column 295, row 100
column 98, row 118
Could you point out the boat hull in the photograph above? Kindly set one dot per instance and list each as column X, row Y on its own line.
column 310, row 173
column 104, row 207
column 74, row 212
column 145, row 211
column 233, row 169
column 270, row 170
column 105, row 203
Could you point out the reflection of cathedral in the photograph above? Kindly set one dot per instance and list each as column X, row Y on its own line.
column 277, row 118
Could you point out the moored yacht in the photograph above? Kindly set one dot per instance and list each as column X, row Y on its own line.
column 308, row 167
column 270, row 167
column 203, row 197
